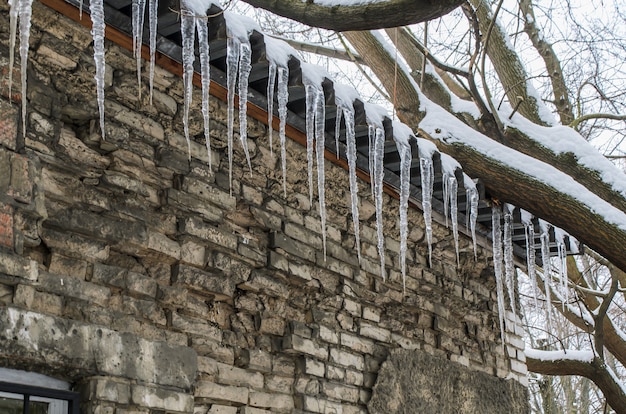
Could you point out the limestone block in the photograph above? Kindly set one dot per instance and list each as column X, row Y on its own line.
column 14, row 265
column 221, row 393
column 38, row 339
column 186, row 202
column 8, row 125
column 81, row 153
column 279, row 240
column 252, row 410
column 279, row 383
column 297, row 344
column 195, row 326
column 347, row 359
column 374, row 332
column 276, row 402
column 208, row 283
column 356, row 343
column 161, row 398
column 255, row 359
column 196, row 227
column 222, row 409
column 6, row 223
column 340, row 392
column 230, row 375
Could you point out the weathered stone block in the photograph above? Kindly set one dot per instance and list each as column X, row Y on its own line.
column 82, row 349
column 6, row 223
column 195, row 326
column 221, row 393
column 196, row 227
column 208, row 283
column 230, row 375
column 347, row 359
column 14, row 265
column 277, row 402
column 161, row 398
column 297, row 344
column 340, row 392
column 374, row 332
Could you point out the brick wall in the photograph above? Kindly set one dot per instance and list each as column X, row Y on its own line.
column 133, row 272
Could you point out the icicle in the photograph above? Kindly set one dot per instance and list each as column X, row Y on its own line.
column 446, row 196
column 404, row 149
column 187, row 29
column 453, row 188
column 283, row 98
column 311, row 105
column 348, row 114
column 472, row 195
column 530, row 259
column 560, row 241
column 96, row 10
column 545, row 258
column 203, row 46
column 245, row 66
column 232, row 64
column 509, row 266
column 427, row 180
column 320, row 118
column 371, row 133
column 25, row 13
column 379, row 175
column 337, row 129
column 271, row 85
column 13, row 17
column 153, row 9
column 496, row 236
column 138, row 12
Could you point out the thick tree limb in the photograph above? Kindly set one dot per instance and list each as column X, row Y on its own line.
column 594, row 369
column 367, row 15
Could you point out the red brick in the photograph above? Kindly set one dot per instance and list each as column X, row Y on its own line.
column 6, row 226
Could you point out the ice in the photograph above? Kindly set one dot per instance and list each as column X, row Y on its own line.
column 232, row 64
column 427, row 180
column 153, row 9
column 187, row 29
column 283, row 98
column 348, row 114
column 531, row 259
column 446, row 197
column 337, row 129
column 311, row 106
column 320, row 118
column 404, row 149
column 25, row 13
column 545, row 258
column 509, row 266
column 96, row 10
column 379, row 174
column 472, row 196
column 559, row 235
column 138, row 12
column 203, row 46
column 14, row 12
column 496, row 228
column 371, row 133
column 271, row 86
column 245, row 66
column 453, row 187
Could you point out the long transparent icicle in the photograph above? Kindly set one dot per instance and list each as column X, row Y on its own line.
column 320, row 118
column 14, row 12
column 96, row 10
column 379, row 174
column 427, row 180
column 545, row 258
column 371, row 133
column 496, row 236
column 509, row 267
column 405, row 181
column 337, row 129
column 187, row 29
column 348, row 114
column 283, row 98
column 453, row 188
column 203, row 46
column 271, row 86
column 563, row 270
column 531, row 259
column 446, row 196
column 138, row 12
column 311, row 105
column 25, row 12
column 232, row 64
column 153, row 10
column 245, row 66
column 472, row 195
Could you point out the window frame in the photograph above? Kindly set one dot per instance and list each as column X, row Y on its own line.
column 28, row 391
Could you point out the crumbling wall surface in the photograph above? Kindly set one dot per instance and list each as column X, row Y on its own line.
column 139, row 275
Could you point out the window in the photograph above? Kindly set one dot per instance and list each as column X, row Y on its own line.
column 29, row 393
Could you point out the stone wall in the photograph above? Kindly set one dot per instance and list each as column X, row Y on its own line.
column 139, row 276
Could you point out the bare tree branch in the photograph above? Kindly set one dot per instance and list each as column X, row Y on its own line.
column 365, row 15
column 574, row 123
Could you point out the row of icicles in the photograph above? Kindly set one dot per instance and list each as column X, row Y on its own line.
column 239, row 66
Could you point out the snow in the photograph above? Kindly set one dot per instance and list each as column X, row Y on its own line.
column 561, row 355
column 442, row 125
column 278, row 51
column 562, row 140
